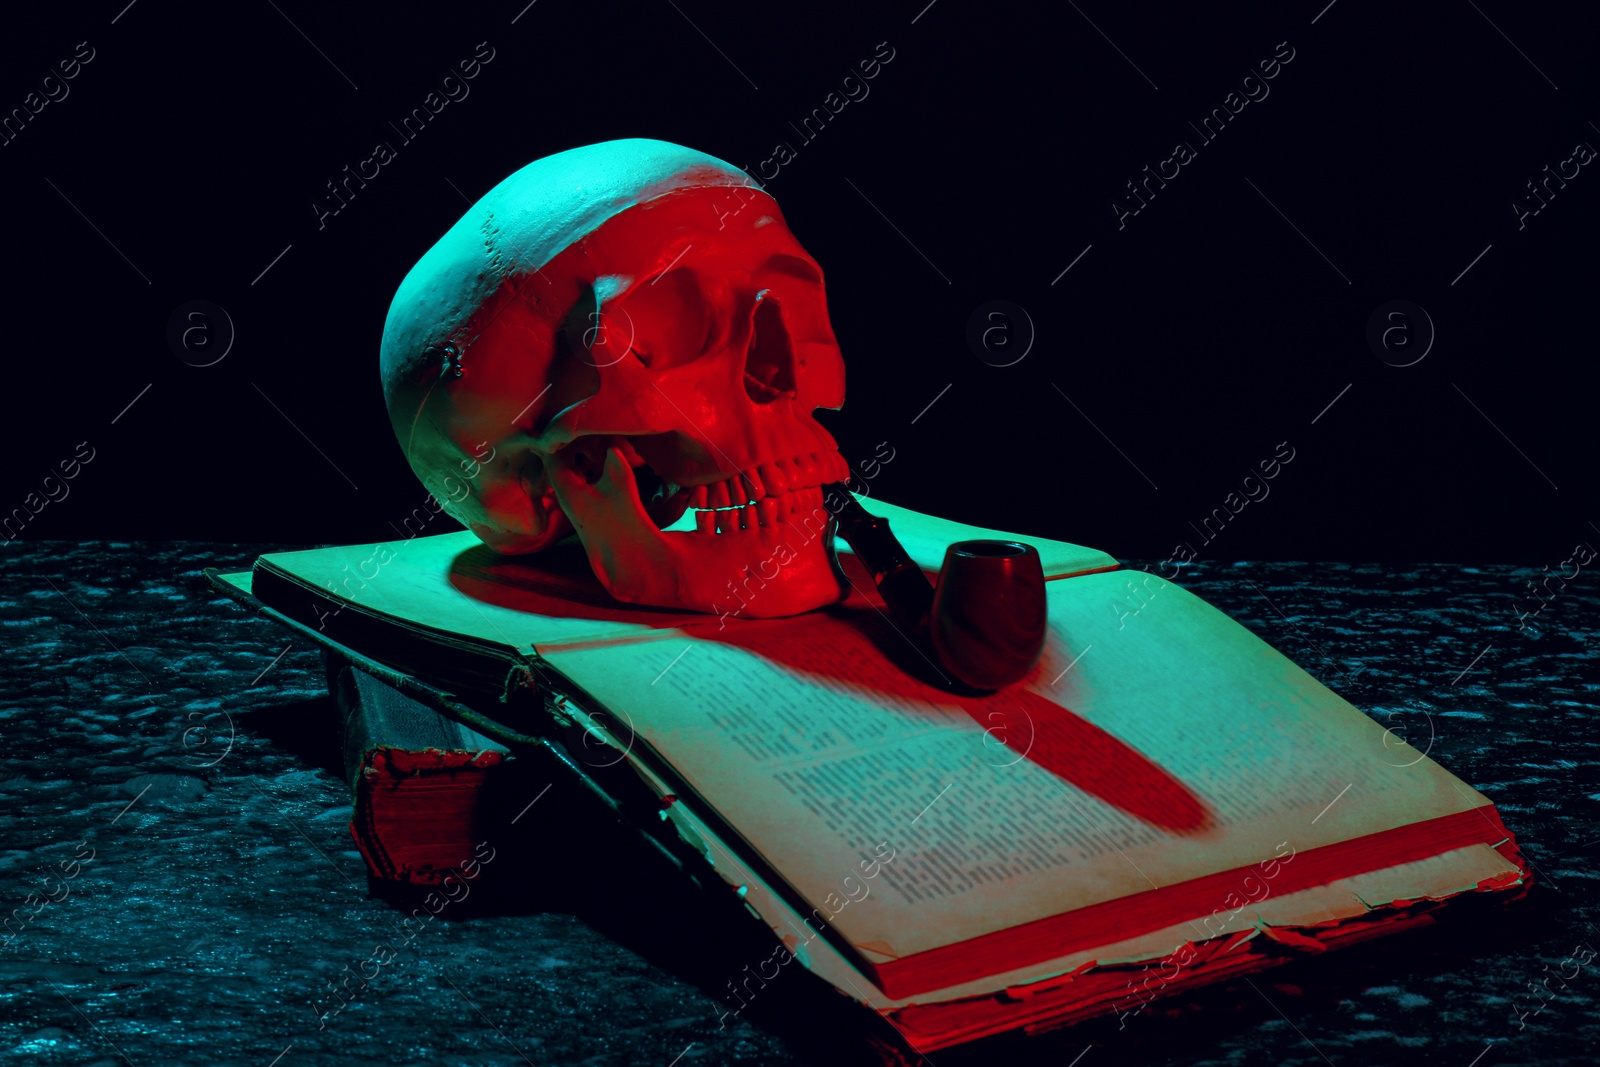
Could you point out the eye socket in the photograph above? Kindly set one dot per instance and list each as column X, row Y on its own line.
column 671, row 320
column 532, row 478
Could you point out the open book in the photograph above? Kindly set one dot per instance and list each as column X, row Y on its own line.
column 1164, row 801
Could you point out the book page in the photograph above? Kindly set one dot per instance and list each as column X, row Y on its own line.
column 1146, row 750
column 454, row 584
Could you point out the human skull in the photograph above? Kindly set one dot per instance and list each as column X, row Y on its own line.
column 611, row 336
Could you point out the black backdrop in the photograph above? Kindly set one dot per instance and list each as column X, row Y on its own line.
column 1182, row 346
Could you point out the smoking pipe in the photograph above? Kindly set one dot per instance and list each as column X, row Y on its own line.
column 984, row 623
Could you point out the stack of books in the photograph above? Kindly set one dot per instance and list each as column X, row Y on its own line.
column 1164, row 802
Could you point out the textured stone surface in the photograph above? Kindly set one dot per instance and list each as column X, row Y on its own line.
column 152, row 722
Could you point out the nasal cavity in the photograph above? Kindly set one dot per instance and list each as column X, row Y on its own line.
column 769, row 365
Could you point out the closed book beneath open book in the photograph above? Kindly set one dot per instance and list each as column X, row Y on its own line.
column 1163, row 802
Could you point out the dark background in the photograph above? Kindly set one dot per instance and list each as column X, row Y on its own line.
column 1195, row 339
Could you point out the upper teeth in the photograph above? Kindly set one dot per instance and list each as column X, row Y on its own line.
column 766, row 493
column 770, row 479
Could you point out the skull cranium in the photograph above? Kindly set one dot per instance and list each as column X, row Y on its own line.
column 614, row 335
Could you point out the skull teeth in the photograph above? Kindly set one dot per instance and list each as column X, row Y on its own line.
column 765, row 494
column 769, row 511
column 775, row 479
column 754, row 484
